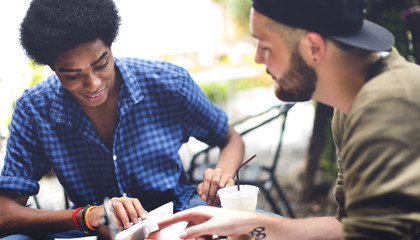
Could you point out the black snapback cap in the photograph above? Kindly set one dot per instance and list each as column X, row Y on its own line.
column 340, row 20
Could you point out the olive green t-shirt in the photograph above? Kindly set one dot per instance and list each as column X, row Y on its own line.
column 378, row 142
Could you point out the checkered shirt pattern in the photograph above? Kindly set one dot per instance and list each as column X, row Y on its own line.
column 159, row 108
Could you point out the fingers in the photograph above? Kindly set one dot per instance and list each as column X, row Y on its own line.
column 211, row 184
column 139, row 208
column 213, row 181
column 200, row 223
column 207, row 178
column 185, row 215
column 190, row 216
column 200, row 192
column 226, row 181
column 121, row 215
column 127, row 211
column 199, row 231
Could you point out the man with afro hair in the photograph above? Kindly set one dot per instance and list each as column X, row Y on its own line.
column 107, row 127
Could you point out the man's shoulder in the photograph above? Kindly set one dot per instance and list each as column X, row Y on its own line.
column 152, row 74
column 398, row 80
column 151, row 66
column 41, row 93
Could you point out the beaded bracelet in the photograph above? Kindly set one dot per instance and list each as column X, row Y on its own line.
column 86, row 216
column 84, row 227
column 74, row 216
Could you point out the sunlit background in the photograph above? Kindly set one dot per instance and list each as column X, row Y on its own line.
column 204, row 36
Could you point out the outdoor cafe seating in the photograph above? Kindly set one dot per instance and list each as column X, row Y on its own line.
column 261, row 174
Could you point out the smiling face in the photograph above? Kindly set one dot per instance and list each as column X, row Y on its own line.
column 295, row 80
column 88, row 73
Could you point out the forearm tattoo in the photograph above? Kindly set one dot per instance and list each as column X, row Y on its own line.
column 258, row 233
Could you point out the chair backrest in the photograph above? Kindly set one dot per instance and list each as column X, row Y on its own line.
column 208, row 157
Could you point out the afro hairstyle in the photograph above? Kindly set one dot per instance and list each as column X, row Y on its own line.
column 52, row 27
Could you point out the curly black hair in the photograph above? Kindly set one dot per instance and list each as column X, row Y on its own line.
column 52, row 27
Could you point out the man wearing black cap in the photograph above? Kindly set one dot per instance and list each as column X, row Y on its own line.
column 325, row 51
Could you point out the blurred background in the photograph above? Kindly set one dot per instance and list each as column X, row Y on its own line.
column 210, row 38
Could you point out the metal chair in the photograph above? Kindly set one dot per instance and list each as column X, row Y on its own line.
column 50, row 198
column 38, row 205
column 254, row 173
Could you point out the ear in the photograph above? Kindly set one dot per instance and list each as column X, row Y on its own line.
column 313, row 45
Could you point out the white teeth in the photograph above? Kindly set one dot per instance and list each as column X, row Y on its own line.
column 92, row 96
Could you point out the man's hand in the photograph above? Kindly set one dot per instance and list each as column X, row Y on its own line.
column 213, row 180
column 126, row 211
column 205, row 221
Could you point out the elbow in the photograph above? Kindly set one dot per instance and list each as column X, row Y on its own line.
column 3, row 227
column 237, row 138
column 241, row 143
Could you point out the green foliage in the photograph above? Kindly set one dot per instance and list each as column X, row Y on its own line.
column 219, row 92
column 36, row 74
column 238, row 10
column 216, row 92
column 328, row 164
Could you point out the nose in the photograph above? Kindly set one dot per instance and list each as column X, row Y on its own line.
column 91, row 82
column 259, row 57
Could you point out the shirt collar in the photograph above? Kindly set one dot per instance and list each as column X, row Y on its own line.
column 130, row 86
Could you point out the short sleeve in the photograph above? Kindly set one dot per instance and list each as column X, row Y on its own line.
column 201, row 118
column 23, row 164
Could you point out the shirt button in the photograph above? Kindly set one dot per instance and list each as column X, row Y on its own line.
column 114, row 157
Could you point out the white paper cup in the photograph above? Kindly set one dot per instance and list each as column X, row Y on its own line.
column 244, row 199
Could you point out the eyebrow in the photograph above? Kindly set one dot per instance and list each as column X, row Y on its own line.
column 99, row 59
column 79, row 70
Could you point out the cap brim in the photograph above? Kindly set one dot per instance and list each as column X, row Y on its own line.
column 371, row 37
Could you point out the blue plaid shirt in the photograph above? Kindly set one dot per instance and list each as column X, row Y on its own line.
column 159, row 108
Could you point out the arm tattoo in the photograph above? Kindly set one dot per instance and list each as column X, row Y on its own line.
column 258, row 233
